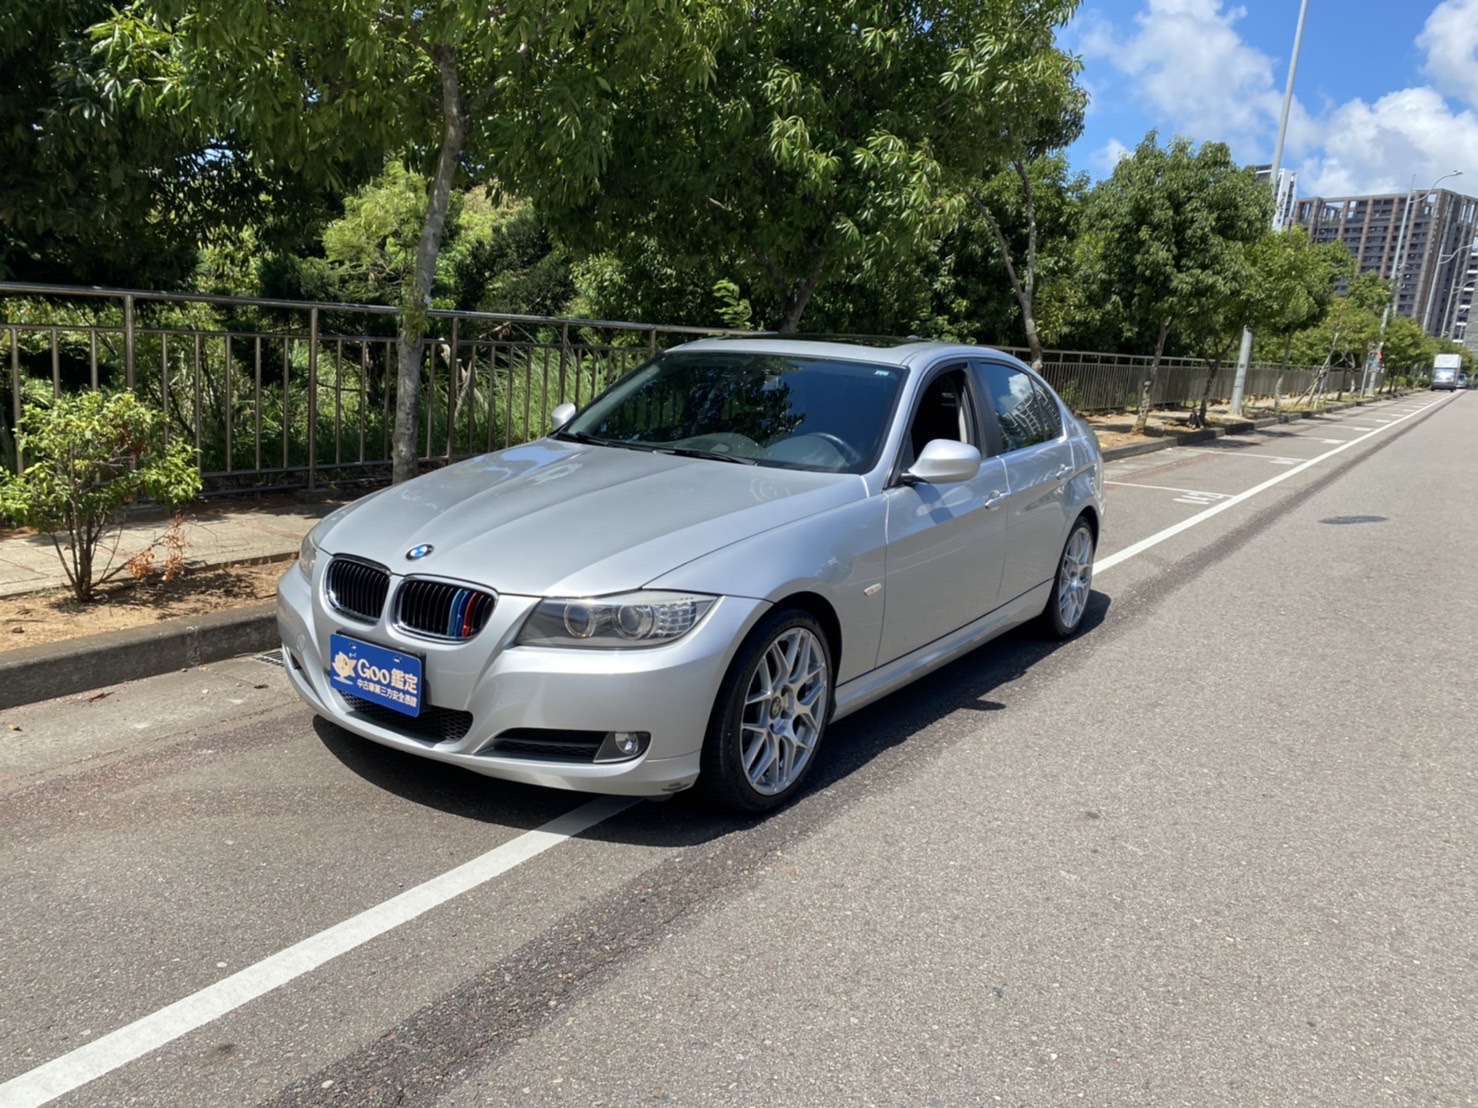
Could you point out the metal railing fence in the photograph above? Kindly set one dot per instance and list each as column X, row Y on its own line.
column 280, row 393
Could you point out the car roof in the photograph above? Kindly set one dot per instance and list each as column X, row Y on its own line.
column 882, row 351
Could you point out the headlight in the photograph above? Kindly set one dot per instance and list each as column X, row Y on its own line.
column 643, row 618
column 307, row 553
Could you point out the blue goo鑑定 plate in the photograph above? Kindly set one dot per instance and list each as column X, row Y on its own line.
column 374, row 673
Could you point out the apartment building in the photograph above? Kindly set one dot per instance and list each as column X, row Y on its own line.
column 1426, row 239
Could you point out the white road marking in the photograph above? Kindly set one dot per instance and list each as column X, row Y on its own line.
column 1276, row 459
column 1167, row 488
column 118, row 1048
column 1170, row 532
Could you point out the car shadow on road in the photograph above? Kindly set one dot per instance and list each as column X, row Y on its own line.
column 851, row 746
column 447, row 788
column 965, row 685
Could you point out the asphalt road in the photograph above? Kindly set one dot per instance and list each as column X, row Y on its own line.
column 1218, row 850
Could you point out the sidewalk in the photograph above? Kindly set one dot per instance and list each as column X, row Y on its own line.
column 216, row 533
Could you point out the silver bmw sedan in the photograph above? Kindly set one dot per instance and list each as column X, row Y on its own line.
column 686, row 582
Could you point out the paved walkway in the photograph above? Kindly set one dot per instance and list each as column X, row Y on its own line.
column 216, row 532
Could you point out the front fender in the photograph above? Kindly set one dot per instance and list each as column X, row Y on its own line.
column 838, row 554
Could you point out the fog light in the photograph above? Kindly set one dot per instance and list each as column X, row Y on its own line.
column 621, row 746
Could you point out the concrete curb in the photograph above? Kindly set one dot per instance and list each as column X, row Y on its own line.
column 1241, row 427
column 72, row 666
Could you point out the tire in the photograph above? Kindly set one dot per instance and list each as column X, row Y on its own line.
column 770, row 715
column 1073, row 582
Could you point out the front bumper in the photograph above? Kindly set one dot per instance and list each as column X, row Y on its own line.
column 667, row 691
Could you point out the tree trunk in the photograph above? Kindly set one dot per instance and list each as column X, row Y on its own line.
column 1212, row 369
column 796, row 301
column 1023, row 286
column 405, row 454
column 1146, row 390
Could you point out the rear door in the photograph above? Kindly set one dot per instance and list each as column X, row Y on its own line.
column 1026, row 423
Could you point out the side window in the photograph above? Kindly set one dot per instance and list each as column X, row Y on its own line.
column 1025, row 411
column 945, row 411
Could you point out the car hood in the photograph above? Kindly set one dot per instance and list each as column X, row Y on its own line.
column 550, row 518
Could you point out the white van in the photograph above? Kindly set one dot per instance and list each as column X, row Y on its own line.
column 1445, row 368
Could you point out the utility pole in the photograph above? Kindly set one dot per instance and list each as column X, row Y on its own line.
column 1244, row 356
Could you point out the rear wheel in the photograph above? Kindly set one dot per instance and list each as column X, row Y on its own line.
column 770, row 714
column 1074, row 581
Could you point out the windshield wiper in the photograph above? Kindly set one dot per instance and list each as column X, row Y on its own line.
column 712, row 455
column 586, row 439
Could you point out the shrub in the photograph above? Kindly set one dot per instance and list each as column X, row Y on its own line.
column 87, row 457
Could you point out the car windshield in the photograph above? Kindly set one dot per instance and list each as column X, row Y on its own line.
column 781, row 410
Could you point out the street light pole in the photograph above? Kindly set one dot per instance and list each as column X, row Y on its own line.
column 1244, row 355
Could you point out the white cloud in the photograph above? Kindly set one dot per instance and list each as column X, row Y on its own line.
column 1450, row 39
column 1107, row 156
column 1195, row 73
column 1375, row 148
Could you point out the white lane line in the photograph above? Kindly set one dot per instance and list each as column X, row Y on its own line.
column 1276, row 459
column 118, row 1048
column 1156, row 539
column 1167, row 488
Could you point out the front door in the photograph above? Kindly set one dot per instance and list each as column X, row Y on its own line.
column 946, row 542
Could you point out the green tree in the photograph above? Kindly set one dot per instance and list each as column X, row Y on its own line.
column 832, row 139
column 462, row 91
column 1407, row 350
column 1347, row 333
column 1164, row 236
column 967, row 274
column 95, row 189
column 1295, row 282
column 1056, row 119
column 87, row 456
column 508, row 262
column 1212, row 325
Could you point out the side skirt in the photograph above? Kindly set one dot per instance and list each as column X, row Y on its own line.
column 878, row 683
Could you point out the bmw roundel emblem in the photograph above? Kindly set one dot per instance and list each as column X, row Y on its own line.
column 421, row 551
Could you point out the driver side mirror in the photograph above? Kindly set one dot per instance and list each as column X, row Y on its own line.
column 561, row 416
column 944, row 462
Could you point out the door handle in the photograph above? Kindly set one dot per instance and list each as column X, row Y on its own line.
column 995, row 499
column 1062, row 471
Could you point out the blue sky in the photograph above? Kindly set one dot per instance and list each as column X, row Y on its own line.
column 1385, row 88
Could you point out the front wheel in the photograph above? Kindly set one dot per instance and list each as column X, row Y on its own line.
column 770, row 714
column 1070, row 588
